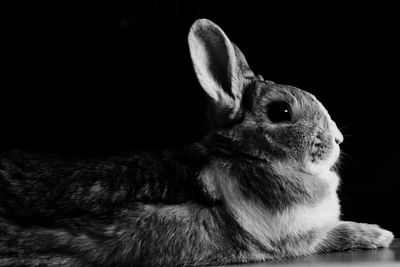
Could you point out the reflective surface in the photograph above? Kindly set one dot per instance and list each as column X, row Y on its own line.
column 379, row 257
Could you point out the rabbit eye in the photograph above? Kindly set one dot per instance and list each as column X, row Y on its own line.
column 279, row 111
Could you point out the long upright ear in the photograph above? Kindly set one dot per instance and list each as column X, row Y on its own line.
column 220, row 66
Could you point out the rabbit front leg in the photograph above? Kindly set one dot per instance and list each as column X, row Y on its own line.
column 351, row 235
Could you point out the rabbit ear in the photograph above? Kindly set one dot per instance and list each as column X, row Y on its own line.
column 219, row 65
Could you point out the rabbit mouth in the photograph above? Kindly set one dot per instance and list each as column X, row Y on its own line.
column 326, row 162
column 325, row 152
column 320, row 151
column 334, row 167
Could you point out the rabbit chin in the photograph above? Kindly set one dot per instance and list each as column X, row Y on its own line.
column 325, row 169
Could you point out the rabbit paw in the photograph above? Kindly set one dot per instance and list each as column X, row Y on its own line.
column 368, row 236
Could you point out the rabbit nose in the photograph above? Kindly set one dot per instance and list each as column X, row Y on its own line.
column 336, row 133
column 339, row 140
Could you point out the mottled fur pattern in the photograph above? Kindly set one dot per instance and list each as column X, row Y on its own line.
column 253, row 189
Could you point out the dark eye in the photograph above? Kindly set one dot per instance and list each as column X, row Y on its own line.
column 279, row 111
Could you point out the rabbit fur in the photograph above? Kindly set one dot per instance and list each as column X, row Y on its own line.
column 255, row 188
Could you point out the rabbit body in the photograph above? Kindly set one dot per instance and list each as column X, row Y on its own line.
column 261, row 185
column 122, row 211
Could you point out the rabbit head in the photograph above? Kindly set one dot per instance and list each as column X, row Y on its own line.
column 258, row 118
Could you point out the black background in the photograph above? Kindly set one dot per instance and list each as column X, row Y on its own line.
column 104, row 79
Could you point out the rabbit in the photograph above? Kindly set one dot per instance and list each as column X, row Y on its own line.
column 261, row 185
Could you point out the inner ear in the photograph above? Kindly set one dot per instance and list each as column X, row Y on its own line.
column 218, row 64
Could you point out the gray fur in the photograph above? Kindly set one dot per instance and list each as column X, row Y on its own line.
column 251, row 190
